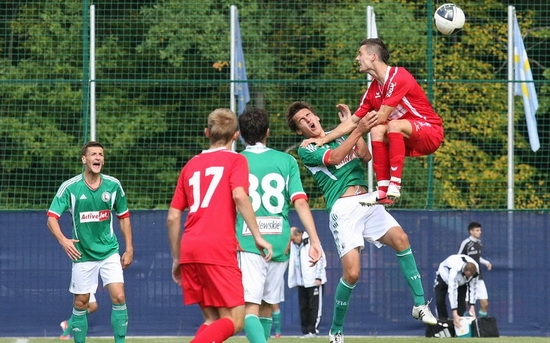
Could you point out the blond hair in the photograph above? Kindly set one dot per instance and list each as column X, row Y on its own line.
column 222, row 124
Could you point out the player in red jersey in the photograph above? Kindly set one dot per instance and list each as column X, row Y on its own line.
column 213, row 185
column 407, row 123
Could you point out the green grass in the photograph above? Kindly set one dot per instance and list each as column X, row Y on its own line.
column 288, row 339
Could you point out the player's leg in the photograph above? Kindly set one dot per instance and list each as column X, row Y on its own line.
column 397, row 132
column 113, row 280
column 84, row 280
column 67, row 325
column 217, row 288
column 483, row 297
column 276, row 315
column 351, row 264
column 396, row 238
column 381, row 158
column 440, row 293
column 254, row 272
column 273, row 293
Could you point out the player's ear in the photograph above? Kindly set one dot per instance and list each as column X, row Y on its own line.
column 236, row 135
column 206, row 132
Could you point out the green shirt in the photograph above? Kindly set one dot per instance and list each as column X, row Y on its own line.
column 91, row 214
column 274, row 184
column 333, row 180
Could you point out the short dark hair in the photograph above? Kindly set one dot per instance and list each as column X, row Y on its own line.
column 473, row 225
column 291, row 111
column 90, row 144
column 376, row 46
column 253, row 124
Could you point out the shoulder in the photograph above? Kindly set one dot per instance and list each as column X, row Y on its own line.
column 111, row 179
column 67, row 184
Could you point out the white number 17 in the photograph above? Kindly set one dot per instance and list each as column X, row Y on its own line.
column 195, row 183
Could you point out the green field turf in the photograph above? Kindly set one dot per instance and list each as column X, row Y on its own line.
column 288, row 339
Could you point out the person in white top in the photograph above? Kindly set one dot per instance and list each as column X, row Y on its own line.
column 456, row 273
column 309, row 280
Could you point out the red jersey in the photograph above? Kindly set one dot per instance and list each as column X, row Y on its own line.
column 401, row 91
column 205, row 187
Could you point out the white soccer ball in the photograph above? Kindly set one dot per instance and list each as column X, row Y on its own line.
column 449, row 18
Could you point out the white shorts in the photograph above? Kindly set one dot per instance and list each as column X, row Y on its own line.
column 262, row 280
column 352, row 224
column 481, row 291
column 84, row 278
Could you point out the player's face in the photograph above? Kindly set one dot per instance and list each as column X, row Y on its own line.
column 476, row 232
column 364, row 59
column 93, row 160
column 308, row 124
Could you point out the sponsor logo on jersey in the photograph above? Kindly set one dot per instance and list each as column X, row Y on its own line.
column 95, row 216
column 267, row 225
column 391, row 87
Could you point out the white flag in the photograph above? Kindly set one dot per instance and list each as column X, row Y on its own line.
column 526, row 89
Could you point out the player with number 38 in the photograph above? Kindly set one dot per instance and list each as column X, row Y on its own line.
column 275, row 184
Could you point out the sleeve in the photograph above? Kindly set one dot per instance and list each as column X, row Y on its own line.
column 179, row 199
column 239, row 173
column 472, row 289
column 312, row 156
column 462, row 249
column 453, row 289
column 60, row 203
column 365, row 106
column 484, row 261
column 295, row 187
column 121, row 203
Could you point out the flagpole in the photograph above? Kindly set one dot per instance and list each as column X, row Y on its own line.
column 372, row 32
column 232, row 63
column 510, row 189
column 510, row 229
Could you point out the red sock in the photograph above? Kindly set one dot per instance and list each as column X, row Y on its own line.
column 396, row 154
column 381, row 163
column 217, row 332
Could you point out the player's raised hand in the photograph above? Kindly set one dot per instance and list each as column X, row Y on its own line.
column 343, row 112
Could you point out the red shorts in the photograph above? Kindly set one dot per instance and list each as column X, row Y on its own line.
column 425, row 138
column 212, row 285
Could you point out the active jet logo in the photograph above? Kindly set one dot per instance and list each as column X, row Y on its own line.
column 95, row 216
column 391, row 87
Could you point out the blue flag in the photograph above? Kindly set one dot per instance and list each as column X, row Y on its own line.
column 241, row 88
column 526, row 89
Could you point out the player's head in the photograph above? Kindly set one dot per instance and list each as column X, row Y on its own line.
column 254, row 125
column 222, row 126
column 474, row 229
column 92, row 156
column 302, row 119
column 375, row 46
column 469, row 269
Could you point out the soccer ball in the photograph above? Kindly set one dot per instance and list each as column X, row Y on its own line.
column 449, row 18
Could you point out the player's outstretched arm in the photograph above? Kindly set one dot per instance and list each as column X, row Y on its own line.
column 242, row 201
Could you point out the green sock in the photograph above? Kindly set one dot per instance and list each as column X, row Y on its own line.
column 119, row 322
column 253, row 329
column 341, row 303
column 482, row 314
column 267, row 323
column 407, row 263
column 79, row 323
column 277, row 321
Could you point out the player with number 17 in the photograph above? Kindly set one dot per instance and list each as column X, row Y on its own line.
column 213, row 185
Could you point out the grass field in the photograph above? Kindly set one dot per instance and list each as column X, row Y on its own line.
column 289, row 339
